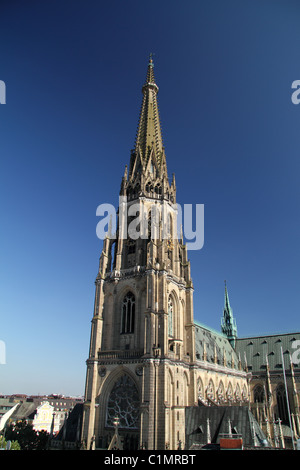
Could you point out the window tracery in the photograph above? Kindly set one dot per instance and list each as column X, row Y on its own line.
column 258, row 394
column 170, row 317
column 210, row 391
column 128, row 313
column 123, row 402
column 229, row 392
column 238, row 393
column 221, row 393
column 200, row 389
column 281, row 403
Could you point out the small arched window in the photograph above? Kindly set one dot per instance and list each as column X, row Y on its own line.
column 158, row 189
column 282, row 404
column 128, row 313
column 258, row 394
column 170, row 316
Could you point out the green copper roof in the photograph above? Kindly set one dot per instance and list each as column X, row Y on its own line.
column 257, row 351
column 228, row 324
column 210, row 341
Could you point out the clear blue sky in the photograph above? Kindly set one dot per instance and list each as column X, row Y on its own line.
column 73, row 72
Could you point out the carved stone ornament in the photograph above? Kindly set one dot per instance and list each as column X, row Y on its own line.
column 139, row 371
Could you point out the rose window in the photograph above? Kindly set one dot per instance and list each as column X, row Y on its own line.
column 123, row 403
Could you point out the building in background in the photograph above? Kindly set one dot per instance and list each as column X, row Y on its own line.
column 45, row 413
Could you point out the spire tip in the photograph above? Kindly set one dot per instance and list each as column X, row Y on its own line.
column 151, row 58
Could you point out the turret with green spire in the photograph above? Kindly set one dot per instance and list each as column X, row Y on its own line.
column 228, row 323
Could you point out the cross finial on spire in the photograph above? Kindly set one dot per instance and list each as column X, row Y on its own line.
column 149, row 150
column 151, row 57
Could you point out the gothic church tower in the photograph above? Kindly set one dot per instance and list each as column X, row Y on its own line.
column 142, row 344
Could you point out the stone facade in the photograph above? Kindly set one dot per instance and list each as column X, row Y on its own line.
column 148, row 359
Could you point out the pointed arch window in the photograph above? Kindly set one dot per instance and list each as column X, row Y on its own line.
column 170, row 316
column 210, row 391
column 149, row 187
column 238, row 393
column 123, row 402
column 158, row 189
column 282, row 404
column 221, row 393
column 149, row 224
column 128, row 313
column 200, row 389
column 258, row 394
column 229, row 392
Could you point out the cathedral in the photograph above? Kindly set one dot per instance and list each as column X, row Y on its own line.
column 153, row 369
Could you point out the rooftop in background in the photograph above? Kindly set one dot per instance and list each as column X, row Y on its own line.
column 18, row 397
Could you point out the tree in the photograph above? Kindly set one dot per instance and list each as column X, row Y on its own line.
column 27, row 437
column 14, row 444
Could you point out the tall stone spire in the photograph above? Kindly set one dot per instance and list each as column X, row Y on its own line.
column 228, row 324
column 149, row 130
column 148, row 156
column 142, row 356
